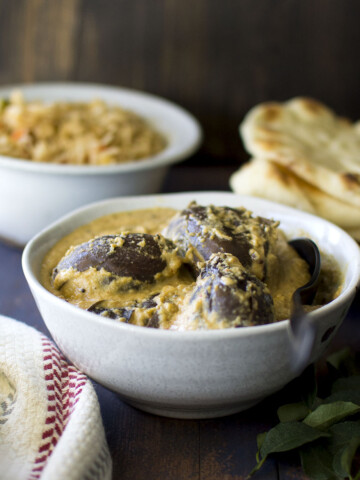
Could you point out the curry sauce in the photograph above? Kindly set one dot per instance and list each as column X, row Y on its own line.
column 176, row 296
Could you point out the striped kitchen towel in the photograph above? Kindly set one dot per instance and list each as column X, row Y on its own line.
column 50, row 422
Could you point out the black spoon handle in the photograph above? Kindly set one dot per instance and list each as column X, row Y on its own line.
column 303, row 330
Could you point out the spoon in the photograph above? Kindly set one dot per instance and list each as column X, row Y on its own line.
column 303, row 330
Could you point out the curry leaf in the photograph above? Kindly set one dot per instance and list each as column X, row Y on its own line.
column 326, row 415
column 4, row 102
column 292, row 412
column 343, row 459
column 257, row 466
column 317, row 427
column 284, row 437
column 347, row 383
column 287, row 436
column 343, row 432
column 352, row 396
column 317, row 462
column 260, row 439
column 343, row 361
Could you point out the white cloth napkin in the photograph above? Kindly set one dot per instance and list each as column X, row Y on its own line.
column 50, row 422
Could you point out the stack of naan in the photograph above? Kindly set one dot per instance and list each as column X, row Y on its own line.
column 305, row 156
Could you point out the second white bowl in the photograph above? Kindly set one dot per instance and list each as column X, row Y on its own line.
column 34, row 194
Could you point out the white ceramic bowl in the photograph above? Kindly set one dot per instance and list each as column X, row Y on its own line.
column 194, row 374
column 33, row 194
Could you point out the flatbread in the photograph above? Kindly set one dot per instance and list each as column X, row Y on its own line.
column 344, row 214
column 308, row 139
column 266, row 179
column 262, row 178
column 355, row 233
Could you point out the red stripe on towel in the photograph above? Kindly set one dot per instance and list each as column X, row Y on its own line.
column 64, row 385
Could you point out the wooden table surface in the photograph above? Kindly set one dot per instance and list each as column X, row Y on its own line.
column 147, row 447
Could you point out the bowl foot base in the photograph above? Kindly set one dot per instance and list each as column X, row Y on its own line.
column 193, row 413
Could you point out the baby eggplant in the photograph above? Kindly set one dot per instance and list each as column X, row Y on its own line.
column 226, row 295
column 201, row 231
column 124, row 314
column 101, row 268
column 136, row 255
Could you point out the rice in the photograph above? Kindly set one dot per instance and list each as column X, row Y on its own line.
column 92, row 133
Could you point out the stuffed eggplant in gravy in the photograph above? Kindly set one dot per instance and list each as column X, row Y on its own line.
column 206, row 267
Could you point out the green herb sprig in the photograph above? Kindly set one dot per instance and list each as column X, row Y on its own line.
column 323, row 428
column 4, row 102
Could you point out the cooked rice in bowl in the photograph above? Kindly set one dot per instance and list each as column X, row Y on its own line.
column 91, row 133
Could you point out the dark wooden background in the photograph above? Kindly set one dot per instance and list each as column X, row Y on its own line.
column 216, row 58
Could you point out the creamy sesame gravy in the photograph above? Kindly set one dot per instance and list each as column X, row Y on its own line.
column 285, row 272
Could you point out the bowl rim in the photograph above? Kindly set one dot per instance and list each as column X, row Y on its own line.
column 171, row 154
column 189, row 335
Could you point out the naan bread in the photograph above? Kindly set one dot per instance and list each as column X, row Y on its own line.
column 262, row 178
column 308, row 139
column 355, row 233
column 267, row 179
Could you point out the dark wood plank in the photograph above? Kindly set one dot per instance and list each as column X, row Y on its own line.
column 152, row 447
column 16, row 299
column 192, row 179
column 217, row 59
column 228, row 446
column 38, row 40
